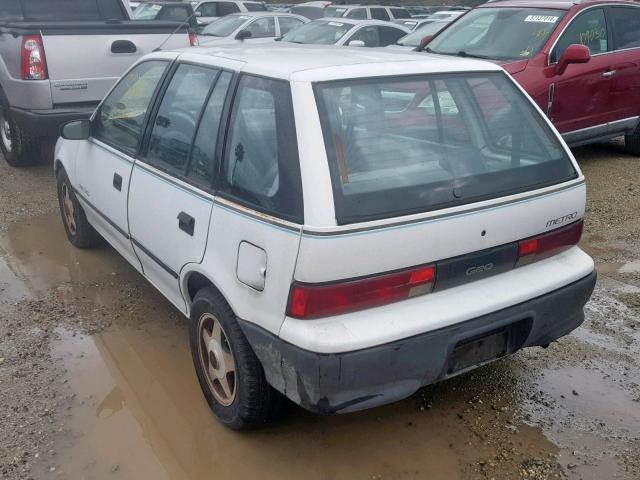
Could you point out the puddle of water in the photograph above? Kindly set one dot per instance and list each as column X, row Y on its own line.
column 36, row 256
column 139, row 413
column 588, row 408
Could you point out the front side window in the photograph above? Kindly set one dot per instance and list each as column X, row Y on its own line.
column 174, row 14
column 207, row 10
column 262, row 27
column 175, row 123
column 260, row 165
column 319, row 32
column 588, row 28
column 404, row 145
column 498, row 33
column 390, row 35
column 379, row 14
column 121, row 116
column 368, row 35
column 357, row 13
column 288, row 23
column 225, row 26
column 626, row 27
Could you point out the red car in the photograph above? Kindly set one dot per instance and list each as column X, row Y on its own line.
column 580, row 61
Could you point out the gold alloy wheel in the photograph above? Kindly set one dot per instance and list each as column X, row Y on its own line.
column 68, row 209
column 216, row 359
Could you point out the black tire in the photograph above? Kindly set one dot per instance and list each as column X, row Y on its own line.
column 632, row 142
column 81, row 234
column 19, row 147
column 254, row 402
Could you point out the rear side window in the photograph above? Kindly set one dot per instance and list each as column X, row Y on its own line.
column 121, row 116
column 400, row 13
column 588, row 28
column 379, row 14
column 255, row 7
column 404, row 145
column 68, row 9
column 203, row 154
column 10, row 9
column 175, row 123
column 626, row 27
column 261, row 166
column 227, row 8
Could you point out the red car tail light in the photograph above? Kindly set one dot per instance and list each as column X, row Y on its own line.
column 34, row 63
column 193, row 38
column 548, row 244
column 308, row 301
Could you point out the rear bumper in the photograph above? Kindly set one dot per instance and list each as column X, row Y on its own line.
column 47, row 123
column 343, row 382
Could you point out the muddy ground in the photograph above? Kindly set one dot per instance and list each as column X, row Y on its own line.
column 96, row 380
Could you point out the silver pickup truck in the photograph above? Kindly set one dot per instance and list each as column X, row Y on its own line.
column 58, row 58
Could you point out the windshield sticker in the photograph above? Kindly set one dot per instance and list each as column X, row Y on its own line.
column 336, row 24
column 541, row 18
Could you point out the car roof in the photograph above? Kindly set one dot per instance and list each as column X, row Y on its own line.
column 322, row 63
column 262, row 14
column 557, row 4
column 354, row 21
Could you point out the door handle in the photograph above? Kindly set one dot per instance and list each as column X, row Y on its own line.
column 609, row 74
column 117, row 182
column 186, row 223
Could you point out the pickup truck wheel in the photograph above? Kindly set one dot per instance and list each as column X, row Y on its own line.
column 20, row 149
column 229, row 373
column 632, row 142
column 79, row 231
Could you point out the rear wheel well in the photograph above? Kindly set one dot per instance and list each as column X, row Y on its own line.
column 197, row 282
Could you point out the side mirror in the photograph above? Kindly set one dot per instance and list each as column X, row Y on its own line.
column 243, row 35
column 424, row 42
column 356, row 43
column 198, row 14
column 76, row 130
column 574, row 53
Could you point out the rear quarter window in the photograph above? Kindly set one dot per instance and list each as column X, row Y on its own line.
column 404, row 145
column 45, row 10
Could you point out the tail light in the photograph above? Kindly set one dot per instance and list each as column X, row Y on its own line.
column 34, row 63
column 308, row 301
column 548, row 244
column 193, row 38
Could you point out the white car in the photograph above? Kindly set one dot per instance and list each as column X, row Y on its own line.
column 364, row 12
column 340, row 226
column 208, row 10
column 251, row 27
column 346, row 32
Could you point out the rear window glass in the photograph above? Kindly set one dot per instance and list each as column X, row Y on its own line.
column 404, row 145
column 59, row 10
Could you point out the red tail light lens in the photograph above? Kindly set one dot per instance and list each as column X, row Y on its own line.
column 543, row 246
column 34, row 64
column 314, row 301
column 193, row 39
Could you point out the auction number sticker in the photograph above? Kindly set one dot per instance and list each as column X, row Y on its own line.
column 541, row 18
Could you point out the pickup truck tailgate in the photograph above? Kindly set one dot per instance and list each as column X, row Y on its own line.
column 85, row 63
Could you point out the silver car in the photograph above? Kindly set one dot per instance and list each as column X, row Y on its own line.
column 253, row 27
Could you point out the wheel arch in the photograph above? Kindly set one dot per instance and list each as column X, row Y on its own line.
column 194, row 280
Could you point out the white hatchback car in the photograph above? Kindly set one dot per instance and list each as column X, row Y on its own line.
column 340, row 226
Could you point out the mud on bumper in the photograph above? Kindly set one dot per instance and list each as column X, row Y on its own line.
column 350, row 381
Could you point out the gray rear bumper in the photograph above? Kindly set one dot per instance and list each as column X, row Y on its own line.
column 336, row 383
column 47, row 123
